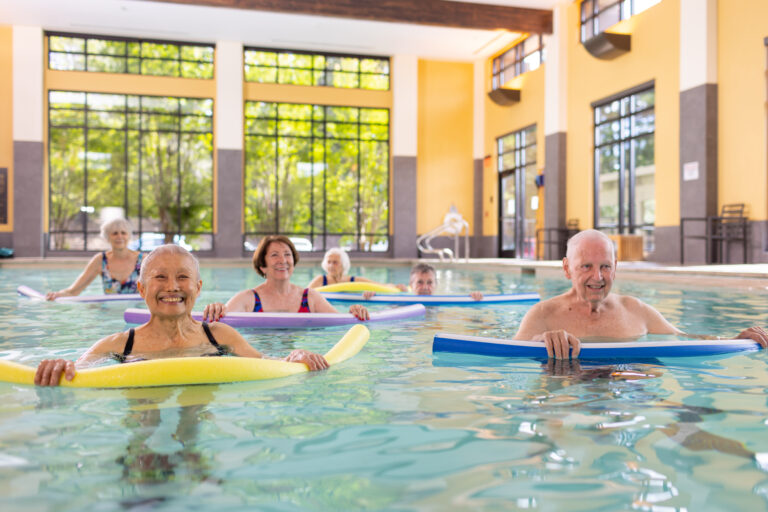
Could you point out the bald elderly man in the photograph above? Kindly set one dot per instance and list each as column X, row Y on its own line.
column 590, row 310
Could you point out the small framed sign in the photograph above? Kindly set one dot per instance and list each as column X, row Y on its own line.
column 690, row 171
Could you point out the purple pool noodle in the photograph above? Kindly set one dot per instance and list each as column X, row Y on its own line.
column 291, row 320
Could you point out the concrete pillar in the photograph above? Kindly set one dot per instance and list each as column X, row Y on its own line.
column 698, row 126
column 28, row 116
column 404, row 132
column 556, row 127
column 228, row 241
column 484, row 245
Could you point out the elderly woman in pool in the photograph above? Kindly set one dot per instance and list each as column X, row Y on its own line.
column 274, row 259
column 169, row 283
column 336, row 265
column 119, row 266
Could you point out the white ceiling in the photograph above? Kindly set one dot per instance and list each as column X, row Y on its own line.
column 131, row 18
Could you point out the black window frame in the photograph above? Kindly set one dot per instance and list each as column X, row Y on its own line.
column 138, row 229
column 621, row 227
column 499, row 70
column 626, row 9
column 313, row 70
column 125, row 56
column 324, row 234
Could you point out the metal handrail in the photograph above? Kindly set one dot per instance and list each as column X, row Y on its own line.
column 453, row 226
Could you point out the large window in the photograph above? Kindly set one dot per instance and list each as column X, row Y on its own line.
column 518, row 194
column 147, row 158
column 598, row 15
column 319, row 69
column 526, row 55
column 73, row 52
column 625, row 201
column 319, row 174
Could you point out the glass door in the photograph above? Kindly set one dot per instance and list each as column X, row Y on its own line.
column 518, row 195
column 517, row 213
column 508, row 229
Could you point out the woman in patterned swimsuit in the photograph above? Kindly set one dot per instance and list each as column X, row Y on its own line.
column 274, row 259
column 119, row 267
column 169, row 283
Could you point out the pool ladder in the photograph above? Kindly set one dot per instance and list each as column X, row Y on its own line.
column 453, row 225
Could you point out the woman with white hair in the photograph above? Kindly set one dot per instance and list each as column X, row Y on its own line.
column 169, row 283
column 336, row 265
column 119, row 266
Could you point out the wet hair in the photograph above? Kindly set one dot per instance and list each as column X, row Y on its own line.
column 421, row 268
column 166, row 249
column 111, row 225
column 345, row 263
column 260, row 254
column 577, row 239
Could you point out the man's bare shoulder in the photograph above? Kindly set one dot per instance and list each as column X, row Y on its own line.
column 631, row 303
column 552, row 305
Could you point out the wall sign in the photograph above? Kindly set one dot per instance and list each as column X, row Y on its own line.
column 690, row 171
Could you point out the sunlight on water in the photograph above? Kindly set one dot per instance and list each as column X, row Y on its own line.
column 395, row 428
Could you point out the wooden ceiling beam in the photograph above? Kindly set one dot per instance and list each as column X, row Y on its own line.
column 442, row 13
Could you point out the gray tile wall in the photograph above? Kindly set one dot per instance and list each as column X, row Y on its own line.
column 228, row 242
column 698, row 143
column 554, row 189
column 28, row 199
column 404, row 207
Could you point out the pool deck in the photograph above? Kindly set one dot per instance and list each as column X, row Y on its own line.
column 747, row 276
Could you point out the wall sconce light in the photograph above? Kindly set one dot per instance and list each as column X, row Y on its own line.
column 608, row 45
column 505, row 97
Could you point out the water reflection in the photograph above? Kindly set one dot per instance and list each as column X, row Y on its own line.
column 163, row 444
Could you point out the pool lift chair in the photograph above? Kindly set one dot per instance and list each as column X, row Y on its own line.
column 453, row 225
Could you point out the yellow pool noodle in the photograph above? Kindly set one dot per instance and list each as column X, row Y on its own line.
column 189, row 370
column 359, row 287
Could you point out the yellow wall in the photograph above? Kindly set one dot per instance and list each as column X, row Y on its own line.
column 501, row 120
column 318, row 95
column 445, row 174
column 655, row 55
column 6, row 115
column 129, row 84
column 742, row 106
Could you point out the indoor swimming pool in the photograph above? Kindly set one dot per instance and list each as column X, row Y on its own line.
column 394, row 428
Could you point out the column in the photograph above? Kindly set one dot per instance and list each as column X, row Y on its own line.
column 555, row 128
column 228, row 241
column 28, row 100
column 483, row 246
column 698, row 126
column 405, row 81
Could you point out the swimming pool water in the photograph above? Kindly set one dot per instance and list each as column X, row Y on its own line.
column 393, row 428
